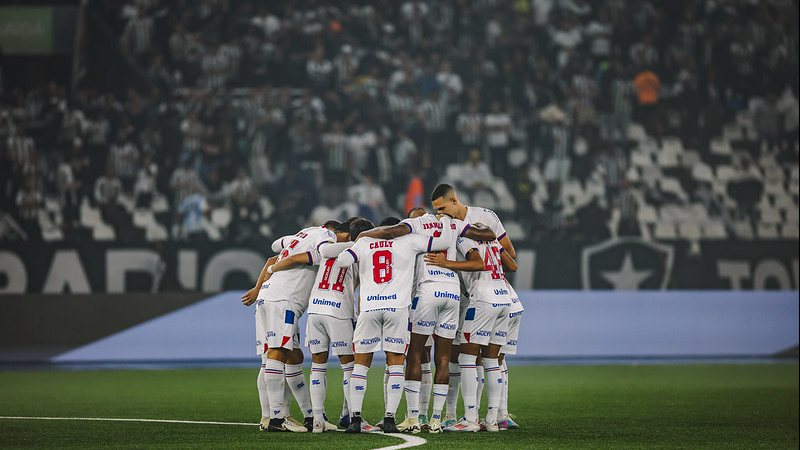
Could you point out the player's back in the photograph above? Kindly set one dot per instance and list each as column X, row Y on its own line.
column 332, row 291
column 488, row 285
column 486, row 217
column 430, row 226
column 386, row 270
column 295, row 284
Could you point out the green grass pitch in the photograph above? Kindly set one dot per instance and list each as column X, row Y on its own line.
column 615, row 406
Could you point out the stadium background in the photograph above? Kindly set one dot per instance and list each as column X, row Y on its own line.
column 151, row 150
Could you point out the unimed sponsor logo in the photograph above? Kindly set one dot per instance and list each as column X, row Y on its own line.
column 371, row 298
column 325, row 302
column 450, row 295
column 435, row 272
column 501, row 292
column 515, row 314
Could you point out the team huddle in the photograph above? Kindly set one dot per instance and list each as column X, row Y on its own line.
column 432, row 281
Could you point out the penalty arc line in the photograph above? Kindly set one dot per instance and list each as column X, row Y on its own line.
column 410, row 441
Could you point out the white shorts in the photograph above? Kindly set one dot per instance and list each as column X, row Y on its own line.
column 282, row 330
column 514, row 320
column 382, row 329
column 434, row 310
column 323, row 331
column 484, row 323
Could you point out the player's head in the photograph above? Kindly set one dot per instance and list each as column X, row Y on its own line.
column 389, row 221
column 359, row 226
column 331, row 224
column 445, row 200
column 413, row 213
column 343, row 230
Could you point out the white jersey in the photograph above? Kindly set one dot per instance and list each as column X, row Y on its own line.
column 516, row 304
column 488, row 285
column 485, row 217
column 332, row 292
column 386, row 268
column 295, row 284
column 428, row 225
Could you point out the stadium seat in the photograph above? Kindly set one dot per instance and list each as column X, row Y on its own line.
column 647, row 214
column 690, row 231
column 504, row 198
column 515, row 230
column 665, row 231
column 485, row 199
column 633, row 174
column 775, row 188
column 714, row 230
column 790, row 231
column 641, row 159
column 771, row 216
column 720, row 147
column 160, row 204
column 145, row 219
column 672, row 186
column 743, row 229
column 702, row 172
column 689, row 158
column 767, row 231
column 517, row 157
column 725, row 173
column 636, row 132
column 667, row 160
column 221, row 217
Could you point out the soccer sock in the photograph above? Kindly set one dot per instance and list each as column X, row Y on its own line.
column 385, row 383
column 469, row 381
column 494, row 387
column 412, row 398
column 275, row 380
column 425, row 389
column 502, row 412
column 479, row 390
column 317, row 388
column 394, row 391
column 347, row 369
column 261, row 382
column 287, row 398
column 297, row 382
column 452, row 390
column 358, row 386
column 440, row 392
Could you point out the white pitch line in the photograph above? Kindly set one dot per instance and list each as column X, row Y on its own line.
column 410, row 441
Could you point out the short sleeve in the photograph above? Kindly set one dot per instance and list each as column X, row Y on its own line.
column 348, row 257
column 415, row 225
column 465, row 245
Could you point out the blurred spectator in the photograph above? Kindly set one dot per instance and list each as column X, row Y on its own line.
column 30, row 203
column 191, row 215
column 369, row 197
column 767, row 121
column 648, row 86
column 498, row 137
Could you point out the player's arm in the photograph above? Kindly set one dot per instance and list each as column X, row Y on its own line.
column 278, row 244
column 509, row 265
column 473, row 263
column 505, row 241
column 387, row 232
column 290, row 262
column 478, row 232
column 249, row 297
column 346, row 259
column 333, row 249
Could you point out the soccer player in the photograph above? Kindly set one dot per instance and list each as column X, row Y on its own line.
column 386, row 273
column 445, row 200
column 331, row 319
column 504, row 420
column 434, row 310
column 285, row 298
column 484, row 326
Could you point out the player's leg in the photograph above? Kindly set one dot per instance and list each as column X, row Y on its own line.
column 481, row 382
column 504, row 418
column 412, row 383
column 444, row 333
column 453, row 385
column 491, row 365
column 426, row 384
column 366, row 341
column 317, row 341
column 261, row 350
column 296, row 380
column 280, row 331
column 347, row 362
column 340, row 332
column 395, row 342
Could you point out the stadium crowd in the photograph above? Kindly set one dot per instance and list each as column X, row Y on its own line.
column 576, row 119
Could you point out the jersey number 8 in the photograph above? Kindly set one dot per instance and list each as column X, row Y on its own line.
column 382, row 266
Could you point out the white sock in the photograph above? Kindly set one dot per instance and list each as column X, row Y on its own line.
column 275, row 380
column 318, row 388
column 385, row 383
column 297, row 382
column 394, row 390
column 469, row 382
column 502, row 413
column 479, row 391
column 412, row 398
column 494, row 388
column 347, row 369
column 425, row 388
column 358, row 387
column 452, row 390
column 439, row 396
column 287, row 397
column 261, row 382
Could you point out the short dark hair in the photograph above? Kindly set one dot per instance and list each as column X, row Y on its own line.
column 359, row 226
column 441, row 190
column 418, row 208
column 332, row 224
column 389, row 221
column 344, row 227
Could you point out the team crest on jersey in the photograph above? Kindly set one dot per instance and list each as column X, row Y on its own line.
column 626, row 264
